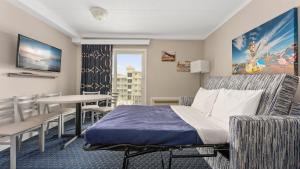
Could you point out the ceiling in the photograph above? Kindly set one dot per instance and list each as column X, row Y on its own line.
column 155, row 19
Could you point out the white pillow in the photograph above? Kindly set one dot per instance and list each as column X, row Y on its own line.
column 235, row 102
column 205, row 100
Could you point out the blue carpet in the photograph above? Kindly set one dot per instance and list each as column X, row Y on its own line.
column 74, row 157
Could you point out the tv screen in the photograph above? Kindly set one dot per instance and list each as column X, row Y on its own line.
column 36, row 55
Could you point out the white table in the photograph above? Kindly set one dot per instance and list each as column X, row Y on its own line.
column 74, row 99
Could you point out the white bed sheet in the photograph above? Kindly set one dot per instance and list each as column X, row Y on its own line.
column 208, row 128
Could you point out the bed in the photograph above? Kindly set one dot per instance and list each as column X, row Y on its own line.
column 138, row 130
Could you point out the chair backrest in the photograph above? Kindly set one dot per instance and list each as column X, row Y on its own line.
column 49, row 107
column 27, row 107
column 114, row 99
column 90, row 93
column 279, row 89
column 7, row 111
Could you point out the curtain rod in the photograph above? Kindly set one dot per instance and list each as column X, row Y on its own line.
column 112, row 41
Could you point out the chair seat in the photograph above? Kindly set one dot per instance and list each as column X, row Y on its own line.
column 68, row 111
column 89, row 107
column 4, row 140
column 63, row 111
column 103, row 109
column 45, row 117
column 19, row 127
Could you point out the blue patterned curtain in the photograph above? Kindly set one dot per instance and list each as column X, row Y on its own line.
column 96, row 73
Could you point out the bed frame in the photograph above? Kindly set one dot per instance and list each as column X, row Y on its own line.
column 131, row 151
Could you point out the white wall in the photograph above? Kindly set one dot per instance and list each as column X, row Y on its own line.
column 14, row 21
column 162, row 78
column 217, row 47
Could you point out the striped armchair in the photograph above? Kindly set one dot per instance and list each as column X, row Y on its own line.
column 269, row 140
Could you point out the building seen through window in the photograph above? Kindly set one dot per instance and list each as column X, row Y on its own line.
column 129, row 87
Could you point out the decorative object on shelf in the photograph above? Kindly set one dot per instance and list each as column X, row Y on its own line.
column 269, row 48
column 168, row 56
column 30, row 75
column 199, row 66
column 184, row 66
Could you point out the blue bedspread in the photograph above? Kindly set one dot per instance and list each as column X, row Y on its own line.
column 142, row 125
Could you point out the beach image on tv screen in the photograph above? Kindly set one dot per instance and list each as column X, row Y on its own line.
column 39, row 56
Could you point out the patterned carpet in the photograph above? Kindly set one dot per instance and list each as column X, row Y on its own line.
column 74, row 157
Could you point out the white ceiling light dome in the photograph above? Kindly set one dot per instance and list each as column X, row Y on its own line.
column 98, row 13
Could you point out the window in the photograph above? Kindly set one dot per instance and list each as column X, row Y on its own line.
column 128, row 69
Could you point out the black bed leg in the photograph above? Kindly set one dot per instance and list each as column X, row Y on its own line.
column 125, row 160
column 170, row 159
column 162, row 160
column 125, row 163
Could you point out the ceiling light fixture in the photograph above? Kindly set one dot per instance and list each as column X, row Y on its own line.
column 98, row 13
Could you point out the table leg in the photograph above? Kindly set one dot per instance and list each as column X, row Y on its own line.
column 13, row 149
column 107, row 100
column 42, row 138
column 13, row 154
column 77, row 126
column 78, row 119
column 69, row 142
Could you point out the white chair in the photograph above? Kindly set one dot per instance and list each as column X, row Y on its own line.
column 89, row 107
column 57, row 109
column 29, row 110
column 11, row 129
column 101, row 111
column 114, row 100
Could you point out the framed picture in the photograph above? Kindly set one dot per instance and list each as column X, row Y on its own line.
column 184, row 66
column 269, row 48
column 168, row 56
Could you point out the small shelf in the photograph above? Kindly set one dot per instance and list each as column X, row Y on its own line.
column 30, row 75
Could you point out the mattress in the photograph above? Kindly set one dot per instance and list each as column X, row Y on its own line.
column 209, row 129
column 154, row 125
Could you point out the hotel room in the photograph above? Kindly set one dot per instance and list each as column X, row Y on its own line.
column 141, row 84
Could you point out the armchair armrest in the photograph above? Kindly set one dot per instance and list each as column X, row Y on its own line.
column 186, row 100
column 264, row 142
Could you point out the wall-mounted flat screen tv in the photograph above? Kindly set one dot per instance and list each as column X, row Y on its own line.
column 36, row 55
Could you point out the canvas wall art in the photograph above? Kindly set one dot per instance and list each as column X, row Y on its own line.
column 184, row 66
column 168, row 56
column 269, row 48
